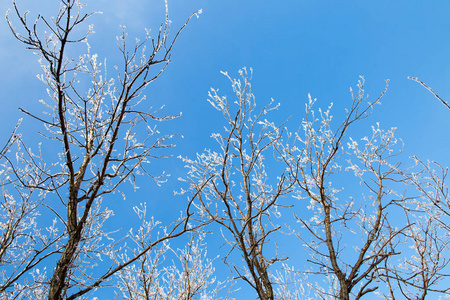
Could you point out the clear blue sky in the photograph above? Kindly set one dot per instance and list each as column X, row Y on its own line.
column 295, row 47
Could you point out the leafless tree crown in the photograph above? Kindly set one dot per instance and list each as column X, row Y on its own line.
column 387, row 235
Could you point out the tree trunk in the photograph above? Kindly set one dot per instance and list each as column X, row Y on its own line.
column 58, row 281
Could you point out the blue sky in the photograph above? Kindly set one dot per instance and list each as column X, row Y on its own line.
column 295, row 48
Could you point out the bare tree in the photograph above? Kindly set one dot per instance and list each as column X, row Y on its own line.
column 233, row 187
column 107, row 137
column 369, row 238
column 348, row 234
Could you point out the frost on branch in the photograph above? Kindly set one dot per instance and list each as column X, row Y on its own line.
column 164, row 272
column 348, row 235
column 232, row 185
column 105, row 131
